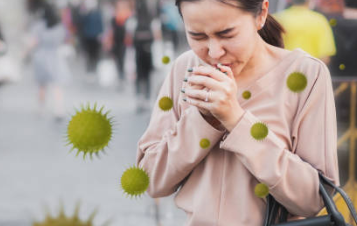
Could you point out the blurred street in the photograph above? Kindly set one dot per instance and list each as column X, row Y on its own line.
column 37, row 170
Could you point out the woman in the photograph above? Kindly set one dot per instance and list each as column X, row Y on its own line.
column 247, row 123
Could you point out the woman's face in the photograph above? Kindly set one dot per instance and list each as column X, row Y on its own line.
column 220, row 33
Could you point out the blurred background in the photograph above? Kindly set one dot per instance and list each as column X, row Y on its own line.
column 58, row 54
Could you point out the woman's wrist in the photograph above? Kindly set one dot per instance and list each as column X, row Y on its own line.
column 234, row 121
column 214, row 122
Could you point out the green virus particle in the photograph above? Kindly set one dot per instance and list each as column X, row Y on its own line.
column 261, row 190
column 89, row 131
column 259, row 131
column 297, row 82
column 166, row 60
column 63, row 220
column 333, row 22
column 205, row 143
column 342, row 67
column 135, row 181
column 166, row 103
column 246, row 95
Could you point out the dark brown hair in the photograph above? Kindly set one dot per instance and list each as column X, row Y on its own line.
column 272, row 30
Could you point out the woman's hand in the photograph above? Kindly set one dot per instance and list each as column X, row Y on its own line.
column 221, row 95
column 203, row 111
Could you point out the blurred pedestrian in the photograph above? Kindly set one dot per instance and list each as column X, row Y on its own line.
column 170, row 22
column 330, row 8
column 143, row 39
column 119, row 36
column 345, row 31
column 91, row 31
column 307, row 30
column 48, row 34
column 77, row 9
column 2, row 52
column 3, row 46
column 350, row 10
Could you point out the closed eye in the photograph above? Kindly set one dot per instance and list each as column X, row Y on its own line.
column 218, row 34
column 228, row 37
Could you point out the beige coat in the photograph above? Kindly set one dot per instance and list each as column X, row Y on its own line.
column 217, row 184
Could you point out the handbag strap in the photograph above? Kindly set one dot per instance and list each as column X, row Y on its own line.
column 275, row 209
column 347, row 199
column 331, row 207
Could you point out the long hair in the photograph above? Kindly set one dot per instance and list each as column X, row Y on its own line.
column 272, row 30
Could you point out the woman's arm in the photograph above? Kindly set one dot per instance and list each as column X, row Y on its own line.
column 292, row 175
column 170, row 147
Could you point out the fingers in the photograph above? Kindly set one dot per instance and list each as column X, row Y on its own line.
column 203, row 81
column 211, row 72
column 199, row 103
column 226, row 70
column 202, row 94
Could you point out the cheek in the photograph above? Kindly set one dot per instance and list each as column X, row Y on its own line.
column 235, row 48
column 199, row 48
column 241, row 46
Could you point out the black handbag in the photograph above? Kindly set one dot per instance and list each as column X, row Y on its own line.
column 276, row 214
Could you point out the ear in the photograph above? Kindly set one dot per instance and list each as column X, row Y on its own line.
column 261, row 19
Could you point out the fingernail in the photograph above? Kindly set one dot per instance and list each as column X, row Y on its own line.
column 219, row 64
column 185, row 79
column 182, row 90
column 184, row 99
column 190, row 70
column 218, row 69
column 225, row 73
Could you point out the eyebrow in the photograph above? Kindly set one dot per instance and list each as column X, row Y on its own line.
column 226, row 31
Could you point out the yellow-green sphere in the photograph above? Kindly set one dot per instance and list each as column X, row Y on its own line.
column 342, row 67
column 205, row 143
column 135, row 181
column 246, row 94
column 333, row 22
column 296, row 82
column 166, row 60
column 166, row 103
column 259, row 131
column 261, row 190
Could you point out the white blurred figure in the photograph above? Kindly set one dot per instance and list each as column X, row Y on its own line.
column 9, row 66
column 48, row 35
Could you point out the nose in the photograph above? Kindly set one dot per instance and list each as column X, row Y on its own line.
column 215, row 49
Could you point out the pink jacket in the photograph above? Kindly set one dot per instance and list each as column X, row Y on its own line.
column 217, row 183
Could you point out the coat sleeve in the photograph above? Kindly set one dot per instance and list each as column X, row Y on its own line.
column 292, row 175
column 170, row 147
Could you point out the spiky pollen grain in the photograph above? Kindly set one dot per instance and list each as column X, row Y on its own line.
column 63, row 220
column 135, row 181
column 89, row 130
